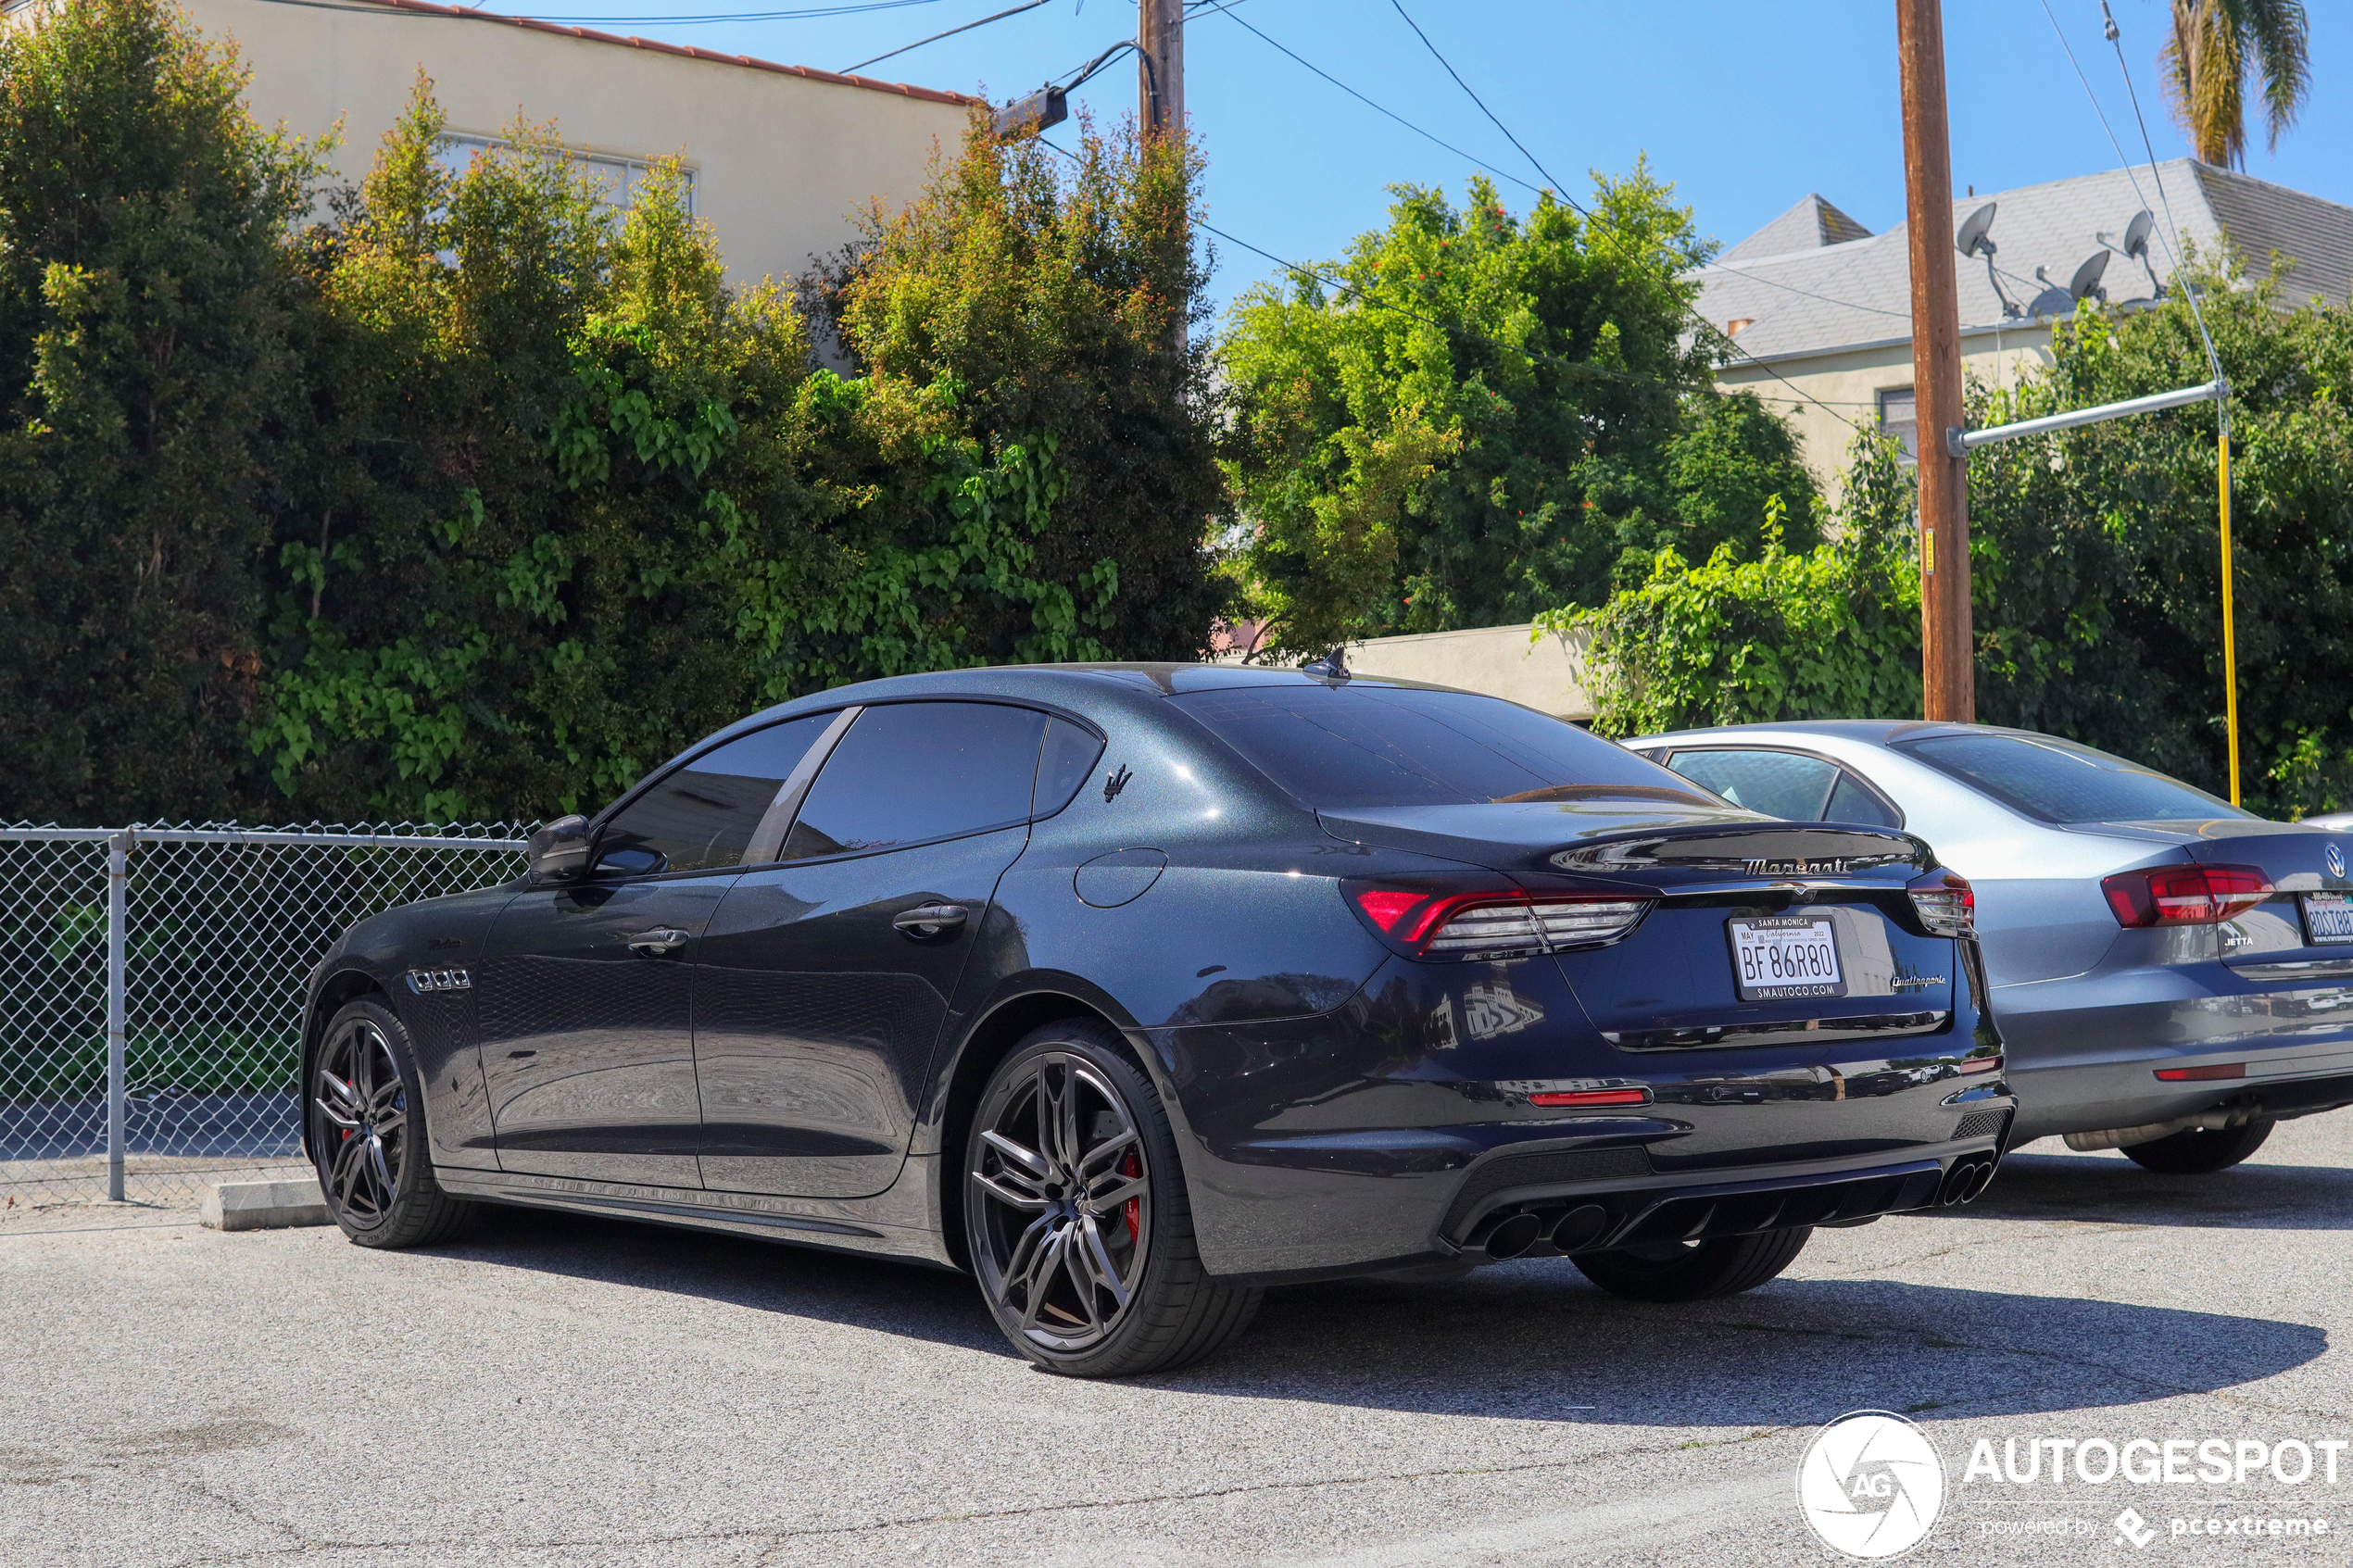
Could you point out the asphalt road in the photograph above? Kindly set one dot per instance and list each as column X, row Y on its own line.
column 556, row 1392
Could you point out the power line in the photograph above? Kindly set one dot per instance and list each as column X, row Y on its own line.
column 893, row 53
column 1475, row 98
column 1475, row 162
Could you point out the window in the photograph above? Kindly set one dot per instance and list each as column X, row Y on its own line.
column 2061, row 782
column 621, row 175
column 1850, row 802
column 908, row 772
column 1899, row 417
column 1069, row 756
column 1779, row 784
column 705, row 812
column 1370, row 746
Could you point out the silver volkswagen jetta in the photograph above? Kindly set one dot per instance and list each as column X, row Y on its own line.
column 2171, row 974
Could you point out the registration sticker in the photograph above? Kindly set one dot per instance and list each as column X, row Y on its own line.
column 1784, row 956
column 2328, row 919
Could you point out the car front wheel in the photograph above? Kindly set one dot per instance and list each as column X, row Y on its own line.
column 1076, row 1217
column 368, row 1134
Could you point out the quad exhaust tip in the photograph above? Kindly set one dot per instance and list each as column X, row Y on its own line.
column 1514, row 1236
column 1968, row 1177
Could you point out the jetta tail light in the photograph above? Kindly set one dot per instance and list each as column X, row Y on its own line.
column 1446, row 919
column 2185, row 895
column 1947, row 903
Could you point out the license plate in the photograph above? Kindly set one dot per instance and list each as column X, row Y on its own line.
column 2328, row 919
column 1785, row 956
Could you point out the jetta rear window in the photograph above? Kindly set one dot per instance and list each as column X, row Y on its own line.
column 2061, row 782
column 1384, row 746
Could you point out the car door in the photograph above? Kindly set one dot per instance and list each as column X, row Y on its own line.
column 586, row 990
column 825, row 977
column 1797, row 786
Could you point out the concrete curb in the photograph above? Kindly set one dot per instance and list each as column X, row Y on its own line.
column 257, row 1206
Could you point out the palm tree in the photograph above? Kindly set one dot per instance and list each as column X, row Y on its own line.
column 2206, row 63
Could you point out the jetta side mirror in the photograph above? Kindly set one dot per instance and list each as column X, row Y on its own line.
column 559, row 851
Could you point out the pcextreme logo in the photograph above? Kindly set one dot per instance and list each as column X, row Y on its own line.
column 1871, row 1485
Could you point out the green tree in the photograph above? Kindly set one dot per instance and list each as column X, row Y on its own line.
column 1481, row 416
column 2096, row 568
column 1048, row 307
column 146, row 310
column 2212, row 49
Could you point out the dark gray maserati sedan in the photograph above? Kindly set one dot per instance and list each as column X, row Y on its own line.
column 1133, row 989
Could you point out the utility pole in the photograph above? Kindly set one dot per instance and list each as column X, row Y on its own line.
column 1948, row 684
column 1160, row 65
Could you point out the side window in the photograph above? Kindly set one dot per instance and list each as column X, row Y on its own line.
column 1776, row 782
column 704, row 813
column 1064, row 766
column 911, row 772
column 1850, row 802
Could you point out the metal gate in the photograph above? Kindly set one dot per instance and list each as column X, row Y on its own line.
column 151, row 989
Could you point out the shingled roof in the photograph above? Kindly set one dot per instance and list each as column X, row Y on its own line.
column 1813, row 281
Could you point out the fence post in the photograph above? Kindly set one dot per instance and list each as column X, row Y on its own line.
column 118, row 919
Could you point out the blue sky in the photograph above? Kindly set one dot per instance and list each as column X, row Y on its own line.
column 1745, row 105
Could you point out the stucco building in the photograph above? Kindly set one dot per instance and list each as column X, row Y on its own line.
column 779, row 155
column 1821, row 307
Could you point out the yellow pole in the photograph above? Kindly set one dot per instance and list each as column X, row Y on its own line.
column 2230, row 636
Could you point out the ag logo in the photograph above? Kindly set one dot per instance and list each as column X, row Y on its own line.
column 2334, row 858
column 1871, row 1485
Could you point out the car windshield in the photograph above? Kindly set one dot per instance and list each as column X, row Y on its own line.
column 2061, row 782
column 1388, row 745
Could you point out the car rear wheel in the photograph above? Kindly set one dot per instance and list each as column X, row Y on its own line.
column 1693, row 1271
column 368, row 1134
column 2199, row 1152
column 1077, row 1216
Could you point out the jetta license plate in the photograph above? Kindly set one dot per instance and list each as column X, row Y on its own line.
column 1784, row 956
column 2328, row 919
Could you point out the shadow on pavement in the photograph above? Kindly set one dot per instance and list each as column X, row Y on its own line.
column 1530, row 1340
column 2094, row 1187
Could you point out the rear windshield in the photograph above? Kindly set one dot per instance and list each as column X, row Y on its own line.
column 1379, row 745
column 2061, row 782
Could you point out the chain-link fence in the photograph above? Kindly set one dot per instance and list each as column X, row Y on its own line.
column 151, row 989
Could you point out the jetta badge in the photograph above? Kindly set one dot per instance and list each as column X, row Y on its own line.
column 2334, row 858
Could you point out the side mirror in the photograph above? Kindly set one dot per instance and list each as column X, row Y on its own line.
column 559, row 851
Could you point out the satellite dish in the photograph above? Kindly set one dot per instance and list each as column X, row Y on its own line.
column 2136, row 234
column 1972, row 235
column 2087, row 276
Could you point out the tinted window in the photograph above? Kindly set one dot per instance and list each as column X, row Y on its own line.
column 1776, row 782
column 704, row 813
column 2061, row 782
column 1368, row 746
column 1850, row 802
column 1069, row 756
column 910, row 772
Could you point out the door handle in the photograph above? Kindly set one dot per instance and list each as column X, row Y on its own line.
column 660, row 940
column 926, row 920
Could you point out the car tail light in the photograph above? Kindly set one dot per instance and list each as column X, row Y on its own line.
column 1556, row 1097
column 2185, row 895
column 1980, row 1064
column 1947, row 903
column 1448, row 919
column 2202, row 1075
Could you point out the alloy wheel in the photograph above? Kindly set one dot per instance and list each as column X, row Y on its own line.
column 1064, row 1198
column 363, row 1134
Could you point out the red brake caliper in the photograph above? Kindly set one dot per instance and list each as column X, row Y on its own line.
column 1133, row 1166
